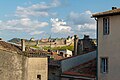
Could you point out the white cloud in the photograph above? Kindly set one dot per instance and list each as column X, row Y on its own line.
column 36, row 32
column 86, row 27
column 24, row 17
column 82, row 23
column 40, row 9
column 81, row 18
column 55, row 3
column 25, row 12
column 59, row 26
column 23, row 24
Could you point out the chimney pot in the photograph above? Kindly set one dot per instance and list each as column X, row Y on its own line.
column 0, row 39
column 114, row 8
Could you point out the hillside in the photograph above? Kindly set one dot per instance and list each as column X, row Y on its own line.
column 14, row 40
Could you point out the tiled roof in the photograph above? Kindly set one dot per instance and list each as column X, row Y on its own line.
column 87, row 69
column 106, row 13
column 58, row 59
column 9, row 47
column 14, row 48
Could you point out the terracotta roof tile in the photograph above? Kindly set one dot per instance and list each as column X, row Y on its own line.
column 87, row 69
column 110, row 12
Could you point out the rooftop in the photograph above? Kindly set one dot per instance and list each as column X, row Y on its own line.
column 87, row 69
column 112, row 12
column 56, row 62
column 15, row 48
column 9, row 47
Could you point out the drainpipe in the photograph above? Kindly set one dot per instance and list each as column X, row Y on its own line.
column 97, row 48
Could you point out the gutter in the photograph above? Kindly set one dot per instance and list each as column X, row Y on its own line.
column 77, row 77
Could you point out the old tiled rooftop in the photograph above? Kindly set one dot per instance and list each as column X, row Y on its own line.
column 9, row 47
column 106, row 13
column 87, row 69
column 14, row 48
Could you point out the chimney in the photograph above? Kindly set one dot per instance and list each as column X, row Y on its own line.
column 37, row 43
column 86, row 37
column 114, row 8
column 0, row 39
column 23, row 44
column 75, row 44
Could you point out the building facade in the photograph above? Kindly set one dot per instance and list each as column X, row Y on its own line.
column 17, row 64
column 108, row 30
column 58, row 67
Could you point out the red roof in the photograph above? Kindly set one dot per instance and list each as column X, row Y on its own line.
column 87, row 69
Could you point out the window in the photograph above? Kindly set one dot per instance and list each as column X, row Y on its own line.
column 104, row 65
column 38, row 77
column 65, row 55
column 106, row 26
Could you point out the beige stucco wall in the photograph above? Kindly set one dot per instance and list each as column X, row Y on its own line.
column 109, row 46
column 37, row 66
column 11, row 66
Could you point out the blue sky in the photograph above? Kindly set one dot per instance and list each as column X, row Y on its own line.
column 42, row 18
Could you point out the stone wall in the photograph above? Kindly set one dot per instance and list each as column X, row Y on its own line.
column 11, row 66
column 37, row 66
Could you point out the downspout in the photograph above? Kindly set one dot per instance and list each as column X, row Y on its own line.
column 97, row 49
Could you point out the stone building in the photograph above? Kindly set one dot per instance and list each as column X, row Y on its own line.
column 84, row 45
column 20, row 63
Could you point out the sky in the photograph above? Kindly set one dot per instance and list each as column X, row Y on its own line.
column 58, row 18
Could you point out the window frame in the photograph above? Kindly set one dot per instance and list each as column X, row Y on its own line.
column 106, row 26
column 104, row 65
